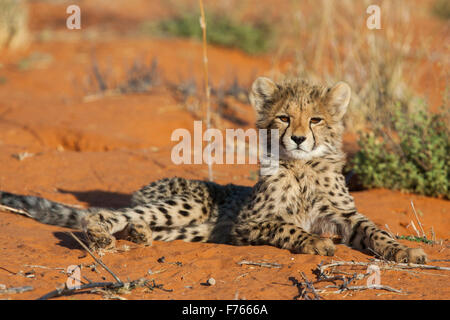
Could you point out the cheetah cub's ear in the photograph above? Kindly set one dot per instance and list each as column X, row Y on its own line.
column 338, row 98
column 261, row 94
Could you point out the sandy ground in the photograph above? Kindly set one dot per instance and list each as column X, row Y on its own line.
column 97, row 151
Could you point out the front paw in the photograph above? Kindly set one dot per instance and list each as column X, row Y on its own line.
column 411, row 255
column 97, row 235
column 139, row 233
column 98, row 239
column 319, row 246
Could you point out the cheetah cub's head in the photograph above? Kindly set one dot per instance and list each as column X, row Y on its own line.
column 308, row 117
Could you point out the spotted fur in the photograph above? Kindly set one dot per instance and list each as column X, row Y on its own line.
column 290, row 209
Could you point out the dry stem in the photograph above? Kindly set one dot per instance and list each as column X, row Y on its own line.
column 95, row 258
column 206, row 79
column 15, row 211
column 261, row 264
column 418, row 221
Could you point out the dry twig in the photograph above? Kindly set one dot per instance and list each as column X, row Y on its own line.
column 206, row 79
column 345, row 286
column 418, row 221
column 358, row 288
column 15, row 211
column 105, row 286
column 305, row 289
column 261, row 264
column 16, row 290
column 42, row 267
column 95, row 258
column 67, row 292
column 415, row 229
column 389, row 266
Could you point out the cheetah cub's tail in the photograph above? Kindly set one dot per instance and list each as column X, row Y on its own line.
column 44, row 211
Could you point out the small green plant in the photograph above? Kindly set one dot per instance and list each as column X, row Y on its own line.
column 415, row 157
column 36, row 60
column 253, row 175
column 222, row 30
column 415, row 239
column 441, row 9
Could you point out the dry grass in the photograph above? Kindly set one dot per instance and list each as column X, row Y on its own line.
column 333, row 43
column 140, row 76
column 328, row 41
column 13, row 24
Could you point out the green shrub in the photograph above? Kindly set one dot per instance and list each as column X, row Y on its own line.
column 415, row 239
column 221, row 30
column 414, row 158
column 441, row 9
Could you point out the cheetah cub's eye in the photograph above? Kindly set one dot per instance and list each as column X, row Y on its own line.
column 316, row 120
column 284, row 118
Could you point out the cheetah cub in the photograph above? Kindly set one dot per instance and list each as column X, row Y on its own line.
column 289, row 209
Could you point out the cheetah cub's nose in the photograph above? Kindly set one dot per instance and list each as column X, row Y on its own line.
column 298, row 139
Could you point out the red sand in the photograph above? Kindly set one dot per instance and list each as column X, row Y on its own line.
column 96, row 153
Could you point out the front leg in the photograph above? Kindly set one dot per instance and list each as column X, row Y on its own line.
column 99, row 225
column 282, row 235
column 362, row 234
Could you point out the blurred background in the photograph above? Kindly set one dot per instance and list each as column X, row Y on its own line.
column 86, row 118
column 133, row 73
